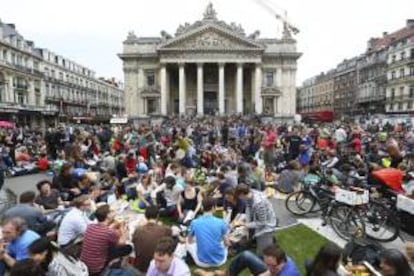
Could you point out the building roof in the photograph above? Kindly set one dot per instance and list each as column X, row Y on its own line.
column 387, row 39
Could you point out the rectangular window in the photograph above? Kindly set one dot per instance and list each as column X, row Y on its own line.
column 402, row 56
column 410, row 105
column 411, row 91
column 268, row 79
column 393, row 75
column 412, row 53
column 401, row 90
column 401, row 72
column 391, row 108
column 412, row 70
column 150, row 77
column 393, row 58
column 400, row 106
column 392, row 93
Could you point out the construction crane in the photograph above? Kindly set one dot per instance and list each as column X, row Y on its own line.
column 270, row 7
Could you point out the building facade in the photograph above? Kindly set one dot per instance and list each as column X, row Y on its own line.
column 372, row 80
column 345, row 87
column 400, row 74
column 315, row 97
column 209, row 67
column 38, row 87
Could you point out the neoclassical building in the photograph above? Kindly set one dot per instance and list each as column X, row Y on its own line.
column 210, row 67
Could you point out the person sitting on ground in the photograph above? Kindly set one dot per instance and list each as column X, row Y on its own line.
column 207, row 238
column 169, row 193
column 165, row 262
column 27, row 267
column 48, row 198
column 274, row 263
column 394, row 263
column 31, row 213
column 104, row 241
column 53, row 261
column 75, row 222
column 146, row 190
column 290, row 177
column 260, row 216
column 43, row 163
column 233, row 206
column 326, row 262
column 190, row 201
column 146, row 237
column 65, row 182
column 16, row 240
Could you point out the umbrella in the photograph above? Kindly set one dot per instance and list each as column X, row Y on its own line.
column 6, row 124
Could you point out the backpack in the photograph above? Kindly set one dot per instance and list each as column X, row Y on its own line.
column 359, row 251
column 63, row 265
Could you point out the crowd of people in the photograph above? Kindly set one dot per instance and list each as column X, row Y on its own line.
column 204, row 187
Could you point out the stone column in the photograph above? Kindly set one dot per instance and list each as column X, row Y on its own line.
column 139, row 100
column 163, row 98
column 221, row 89
column 11, row 90
column 258, row 100
column 275, row 105
column 31, row 93
column 181, row 88
column 200, row 92
column 239, row 88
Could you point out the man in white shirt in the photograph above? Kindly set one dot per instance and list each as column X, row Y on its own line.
column 75, row 221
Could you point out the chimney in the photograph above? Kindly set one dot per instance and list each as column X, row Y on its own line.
column 384, row 34
column 410, row 23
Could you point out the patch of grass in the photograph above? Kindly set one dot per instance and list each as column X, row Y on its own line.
column 300, row 243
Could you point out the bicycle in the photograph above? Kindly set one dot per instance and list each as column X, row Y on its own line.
column 344, row 219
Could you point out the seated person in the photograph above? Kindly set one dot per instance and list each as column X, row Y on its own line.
column 33, row 215
column 326, row 262
column 65, row 182
column 207, row 237
column 48, row 198
column 43, row 163
column 189, row 201
column 290, row 177
column 23, row 157
column 274, row 263
column 165, row 262
column 104, row 241
column 16, row 241
column 74, row 223
column 146, row 237
column 233, row 206
column 146, row 190
column 169, row 193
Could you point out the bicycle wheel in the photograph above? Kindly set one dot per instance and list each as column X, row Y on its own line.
column 345, row 221
column 380, row 223
column 300, row 203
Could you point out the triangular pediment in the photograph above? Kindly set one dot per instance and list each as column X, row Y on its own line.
column 210, row 37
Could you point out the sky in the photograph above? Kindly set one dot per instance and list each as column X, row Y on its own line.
column 91, row 32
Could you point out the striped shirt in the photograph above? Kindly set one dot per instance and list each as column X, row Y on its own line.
column 96, row 244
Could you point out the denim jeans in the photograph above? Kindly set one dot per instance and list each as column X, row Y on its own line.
column 248, row 260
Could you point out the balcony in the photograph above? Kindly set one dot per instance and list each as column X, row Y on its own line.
column 403, row 79
column 401, row 62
